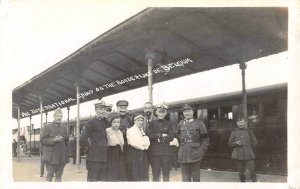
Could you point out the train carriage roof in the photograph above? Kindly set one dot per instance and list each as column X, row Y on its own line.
column 184, row 40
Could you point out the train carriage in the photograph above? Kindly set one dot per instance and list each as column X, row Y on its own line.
column 267, row 110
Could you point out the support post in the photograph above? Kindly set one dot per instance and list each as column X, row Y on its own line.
column 78, row 128
column 30, row 130
column 18, row 136
column 150, row 56
column 46, row 113
column 68, row 123
column 243, row 67
column 41, row 109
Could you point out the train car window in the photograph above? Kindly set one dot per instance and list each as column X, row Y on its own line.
column 253, row 115
column 227, row 117
column 270, row 113
column 213, row 118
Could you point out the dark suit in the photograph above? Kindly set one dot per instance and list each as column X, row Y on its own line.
column 55, row 154
column 160, row 150
column 94, row 138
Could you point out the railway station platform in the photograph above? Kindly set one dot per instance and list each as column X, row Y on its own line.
column 28, row 170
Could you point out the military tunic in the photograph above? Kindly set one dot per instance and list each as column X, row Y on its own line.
column 161, row 133
column 194, row 140
column 243, row 151
column 94, row 138
column 55, row 154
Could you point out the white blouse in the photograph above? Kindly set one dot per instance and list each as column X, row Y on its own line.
column 137, row 138
column 114, row 137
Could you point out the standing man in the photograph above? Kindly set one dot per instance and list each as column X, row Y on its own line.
column 126, row 121
column 55, row 140
column 148, row 114
column 94, row 140
column 194, row 142
column 242, row 140
column 161, row 133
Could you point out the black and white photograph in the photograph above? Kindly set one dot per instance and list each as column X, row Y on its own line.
column 143, row 94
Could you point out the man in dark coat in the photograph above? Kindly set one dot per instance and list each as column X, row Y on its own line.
column 161, row 133
column 194, row 142
column 55, row 140
column 242, row 140
column 94, row 139
column 126, row 121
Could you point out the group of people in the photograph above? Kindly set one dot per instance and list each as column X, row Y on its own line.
column 122, row 147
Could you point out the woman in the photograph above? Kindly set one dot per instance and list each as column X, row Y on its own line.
column 138, row 144
column 115, row 156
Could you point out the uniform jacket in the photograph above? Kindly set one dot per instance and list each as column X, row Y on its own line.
column 244, row 151
column 55, row 152
column 194, row 140
column 94, row 138
column 126, row 122
column 160, row 145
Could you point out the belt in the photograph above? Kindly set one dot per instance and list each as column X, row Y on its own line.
column 187, row 140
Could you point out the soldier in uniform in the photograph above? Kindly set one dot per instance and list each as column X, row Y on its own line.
column 242, row 140
column 161, row 133
column 94, row 139
column 55, row 140
column 126, row 121
column 194, row 142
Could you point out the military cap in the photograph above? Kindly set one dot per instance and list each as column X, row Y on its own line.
column 122, row 103
column 138, row 116
column 187, row 107
column 100, row 103
column 57, row 111
column 162, row 107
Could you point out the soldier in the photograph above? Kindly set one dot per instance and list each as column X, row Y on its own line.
column 126, row 121
column 94, row 138
column 242, row 140
column 194, row 142
column 161, row 133
column 55, row 140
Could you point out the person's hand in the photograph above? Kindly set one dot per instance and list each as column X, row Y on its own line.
column 238, row 143
column 58, row 139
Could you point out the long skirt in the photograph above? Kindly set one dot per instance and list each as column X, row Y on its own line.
column 115, row 164
column 137, row 164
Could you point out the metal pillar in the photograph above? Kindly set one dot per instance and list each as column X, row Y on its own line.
column 30, row 130
column 68, row 124
column 78, row 128
column 41, row 110
column 243, row 67
column 46, row 113
column 18, row 136
column 150, row 56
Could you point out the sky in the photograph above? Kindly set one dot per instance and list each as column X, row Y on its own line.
column 45, row 33
column 35, row 35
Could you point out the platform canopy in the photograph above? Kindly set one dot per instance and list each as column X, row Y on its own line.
column 183, row 40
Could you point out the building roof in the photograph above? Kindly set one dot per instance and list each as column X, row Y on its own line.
column 184, row 41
